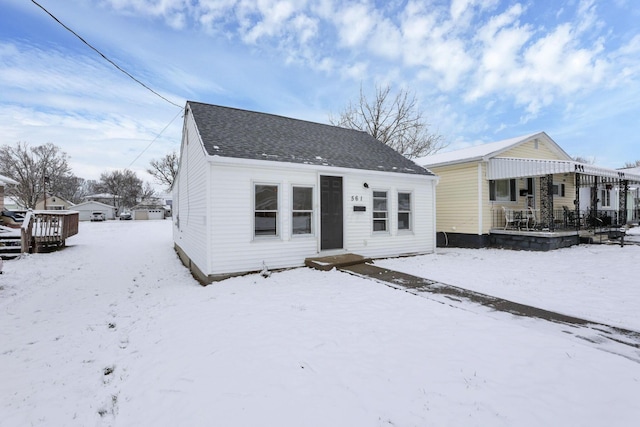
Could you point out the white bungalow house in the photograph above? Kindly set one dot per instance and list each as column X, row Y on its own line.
column 525, row 193
column 256, row 190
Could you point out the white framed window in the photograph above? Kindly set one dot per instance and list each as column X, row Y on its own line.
column 404, row 211
column 559, row 190
column 302, row 210
column 605, row 198
column 502, row 190
column 380, row 213
column 265, row 210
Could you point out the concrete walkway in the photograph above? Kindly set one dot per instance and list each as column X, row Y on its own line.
column 624, row 342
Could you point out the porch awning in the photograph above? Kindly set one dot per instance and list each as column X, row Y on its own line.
column 506, row 168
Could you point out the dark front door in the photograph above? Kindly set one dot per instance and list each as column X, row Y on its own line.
column 330, row 212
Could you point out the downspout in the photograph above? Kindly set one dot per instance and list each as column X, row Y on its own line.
column 479, row 199
column 434, row 228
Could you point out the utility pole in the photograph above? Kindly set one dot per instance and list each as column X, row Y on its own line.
column 45, row 181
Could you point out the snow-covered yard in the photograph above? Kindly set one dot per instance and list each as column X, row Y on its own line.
column 114, row 331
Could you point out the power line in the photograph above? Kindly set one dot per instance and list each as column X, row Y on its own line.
column 104, row 56
column 155, row 139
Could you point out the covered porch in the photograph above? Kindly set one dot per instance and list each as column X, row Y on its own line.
column 558, row 203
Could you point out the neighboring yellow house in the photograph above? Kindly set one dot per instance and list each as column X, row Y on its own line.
column 494, row 194
column 54, row 203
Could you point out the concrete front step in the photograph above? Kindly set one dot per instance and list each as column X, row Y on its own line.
column 327, row 263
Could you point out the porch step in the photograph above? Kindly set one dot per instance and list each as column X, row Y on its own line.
column 327, row 263
column 10, row 247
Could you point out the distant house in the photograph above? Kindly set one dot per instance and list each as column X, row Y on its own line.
column 106, row 198
column 4, row 180
column 525, row 193
column 86, row 208
column 256, row 190
column 54, row 203
column 11, row 204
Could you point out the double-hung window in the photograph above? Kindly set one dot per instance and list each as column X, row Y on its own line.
column 558, row 190
column 265, row 210
column 380, row 214
column 605, row 198
column 302, row 210
column 502, row 190
column 404, row 211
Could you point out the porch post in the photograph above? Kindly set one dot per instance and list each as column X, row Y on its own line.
column 546, row 201
column 623, row 189
column 576, row 202
column 594, row 201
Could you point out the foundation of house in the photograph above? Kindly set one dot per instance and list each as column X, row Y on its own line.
column 533, row 240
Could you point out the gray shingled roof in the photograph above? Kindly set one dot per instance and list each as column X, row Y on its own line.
column 230, row 132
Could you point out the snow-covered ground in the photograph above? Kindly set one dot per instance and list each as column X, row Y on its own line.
column 113, row 330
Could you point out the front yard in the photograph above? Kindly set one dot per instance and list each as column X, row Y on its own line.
column 114, row 331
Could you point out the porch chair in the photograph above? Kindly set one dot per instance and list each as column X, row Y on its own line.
column 570, row 219
column 510, row 218
column 532, row 218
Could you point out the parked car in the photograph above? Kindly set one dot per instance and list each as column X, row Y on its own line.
column 98, row 216
column 125, row 216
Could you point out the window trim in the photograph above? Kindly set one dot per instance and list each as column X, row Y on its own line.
column 312, row 232
column 409, row 212
column 513, row 191
column 559, row 189
column 374, row 211
column 605, row 196
column 277, row 234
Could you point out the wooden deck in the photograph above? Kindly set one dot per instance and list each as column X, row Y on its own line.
column 46, row 230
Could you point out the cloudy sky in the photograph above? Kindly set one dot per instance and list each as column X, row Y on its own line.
column 482, row 70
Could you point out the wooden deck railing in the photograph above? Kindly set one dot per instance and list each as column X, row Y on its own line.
column 47, row 229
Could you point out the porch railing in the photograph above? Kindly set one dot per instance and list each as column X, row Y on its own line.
column 47, row 229
column 524, row 219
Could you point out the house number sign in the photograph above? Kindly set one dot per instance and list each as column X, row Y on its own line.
column 356, row 198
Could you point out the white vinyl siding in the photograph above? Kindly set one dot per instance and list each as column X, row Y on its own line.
column 190, row 218
column 233, row 248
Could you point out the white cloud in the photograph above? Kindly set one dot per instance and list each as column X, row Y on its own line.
column 266, row 18
column 385, row 40
column 354, row 22
column 432, row 44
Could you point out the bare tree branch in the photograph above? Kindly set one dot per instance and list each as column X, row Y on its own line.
column 165, row 170
column 392, row 119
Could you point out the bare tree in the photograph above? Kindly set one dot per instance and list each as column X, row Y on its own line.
column 585, row 160
column 392, row 119
column 165, row 170
column 37, row 170
column 635, row 164
column 125, row 186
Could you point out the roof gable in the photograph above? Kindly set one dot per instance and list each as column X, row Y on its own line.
column 92, row 203
column 235, row 133
column 490, row 150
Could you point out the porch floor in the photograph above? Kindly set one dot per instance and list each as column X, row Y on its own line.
column 327, row 263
